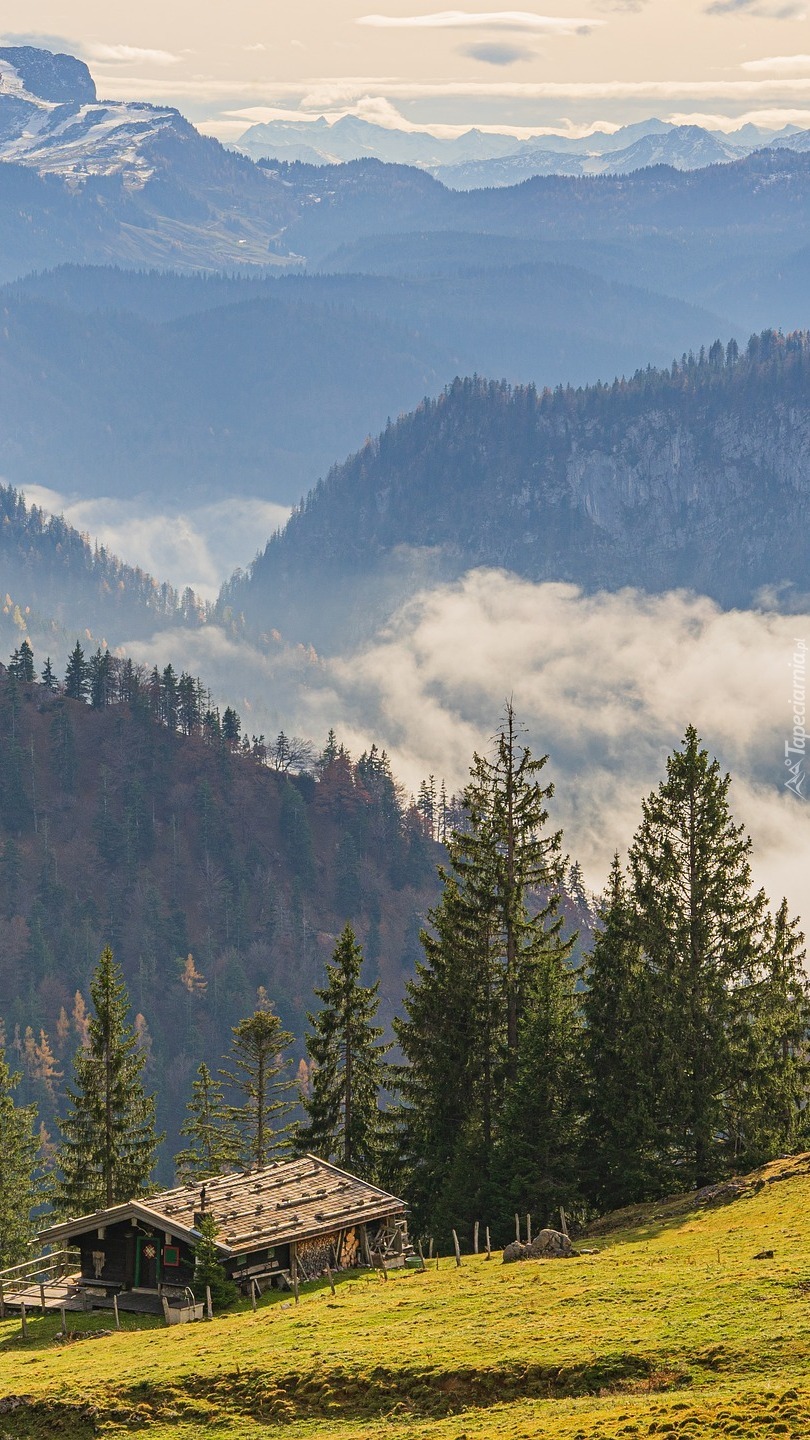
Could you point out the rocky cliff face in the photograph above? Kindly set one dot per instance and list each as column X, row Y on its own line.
column 697, row 477
column 56, row 79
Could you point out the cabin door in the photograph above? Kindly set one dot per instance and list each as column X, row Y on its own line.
column 147, row 1262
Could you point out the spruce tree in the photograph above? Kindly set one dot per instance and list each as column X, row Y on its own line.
column 453, row 1081
column 540, row 1133
column 77, row 674
column 473, row 1003
column 258, row 1070
column 214, row 1146
column 18, row 1149
column 344, row 1119
column 504, row 855
column 209, row 1272
column 767, row 1105
column 23, row 662
column 700, row 926
column 108, row 1147
column 620, row 1057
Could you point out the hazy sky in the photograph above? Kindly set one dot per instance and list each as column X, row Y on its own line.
column 573, row 62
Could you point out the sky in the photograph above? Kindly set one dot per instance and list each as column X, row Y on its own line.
column 567, row 66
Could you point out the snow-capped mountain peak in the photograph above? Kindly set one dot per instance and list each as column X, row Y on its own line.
column 51, row 119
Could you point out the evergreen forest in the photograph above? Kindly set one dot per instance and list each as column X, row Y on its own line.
column 218, row 951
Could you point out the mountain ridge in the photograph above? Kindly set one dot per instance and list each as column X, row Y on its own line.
column 658, row 482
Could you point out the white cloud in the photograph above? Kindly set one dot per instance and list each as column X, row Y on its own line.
column 523, row 22
column 772, row 118
column 199, row 547
column 333, row 94
column 605, row 683
column 128, row 54
column 778, row 63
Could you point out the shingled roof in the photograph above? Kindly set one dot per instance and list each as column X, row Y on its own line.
column 290, row 1200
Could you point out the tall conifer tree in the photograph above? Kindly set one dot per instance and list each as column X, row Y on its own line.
column 700, row 926
column 214, row 1145
column 494, row 943
column 620, row 1057
column 258, row 1070
column 767, row 1106
column 18, row 1148
column 344, row 1119
column 109, row 1144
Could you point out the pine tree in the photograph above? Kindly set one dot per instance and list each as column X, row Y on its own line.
column 48, row 676
column 620, row 1054
column 214, row 1144
column 108, row 1145
column 344, row 1119
column 18, row 1150
column 700, row 927
column 77, row 677
column 257, row 1069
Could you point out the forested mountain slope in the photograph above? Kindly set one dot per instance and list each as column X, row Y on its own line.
column 59, row 582
column 697, row 476
column 116, row 827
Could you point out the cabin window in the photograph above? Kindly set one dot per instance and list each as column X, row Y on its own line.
column 171, row 1254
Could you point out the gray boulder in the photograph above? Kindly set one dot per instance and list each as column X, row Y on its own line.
column 549, row 1245
column 515, row 1251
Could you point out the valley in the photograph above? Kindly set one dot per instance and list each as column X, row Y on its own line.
column 404, row 615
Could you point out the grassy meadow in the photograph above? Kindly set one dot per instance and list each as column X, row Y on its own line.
column 671, row 1327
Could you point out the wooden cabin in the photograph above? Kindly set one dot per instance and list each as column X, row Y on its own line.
column 292, row 1218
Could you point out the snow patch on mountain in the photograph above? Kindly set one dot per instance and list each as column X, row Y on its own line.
column 51, row 120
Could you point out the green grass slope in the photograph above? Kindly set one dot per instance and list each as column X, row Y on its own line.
column 669, row 1326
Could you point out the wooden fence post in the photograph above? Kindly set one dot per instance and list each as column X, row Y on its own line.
column 430, row 1249
column 329, row 1278
column 2, row 1302
column 489, row 1247
column 209, row 1304
column 528, row 1229
column 253, row 1295
column 517, row 1228
column 421, row 1255
column 455, row 1247
column 475, row 1238
column 165, row 1309
column 23, row 1320
column 42, row 1297
column 64, row 1321
column 115, row 1311
column 563, row 1225
column 294, row 1268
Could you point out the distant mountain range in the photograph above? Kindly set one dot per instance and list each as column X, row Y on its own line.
column 353, row 290
column 116, row 383
column 477, row 159
column 697, row 477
